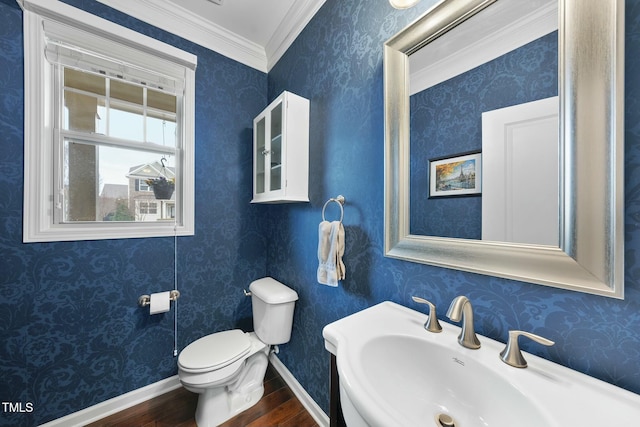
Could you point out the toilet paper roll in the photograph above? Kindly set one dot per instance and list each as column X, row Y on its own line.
column 159, row 302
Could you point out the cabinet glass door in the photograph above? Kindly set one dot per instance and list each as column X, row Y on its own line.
column 275, row 151
column 259, row 156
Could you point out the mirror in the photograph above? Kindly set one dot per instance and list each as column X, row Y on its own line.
column 589, row 256
column 489, row 76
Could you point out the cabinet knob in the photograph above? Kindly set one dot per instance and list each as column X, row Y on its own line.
column 265, row 152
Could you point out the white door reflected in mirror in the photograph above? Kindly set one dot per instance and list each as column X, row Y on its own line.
column 520, row 181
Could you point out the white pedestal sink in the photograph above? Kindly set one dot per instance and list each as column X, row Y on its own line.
column 395, row 373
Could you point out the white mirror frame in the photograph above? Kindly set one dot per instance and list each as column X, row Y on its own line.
column 591, row 87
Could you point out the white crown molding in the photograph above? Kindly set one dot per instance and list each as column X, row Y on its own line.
column 511, row 36
column 292, row 25
column 186, row 24
column 177, row 20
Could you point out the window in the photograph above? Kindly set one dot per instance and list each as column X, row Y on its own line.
column 148, row 208
column 170, row 211
column 108, row 111
column 141, row 185
column 99, row 112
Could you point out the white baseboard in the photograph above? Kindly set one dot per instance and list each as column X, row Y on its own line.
column 307, row 401
column 127, row 400
column 117, row 404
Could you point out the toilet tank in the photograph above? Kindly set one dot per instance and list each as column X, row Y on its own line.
column 273, row 305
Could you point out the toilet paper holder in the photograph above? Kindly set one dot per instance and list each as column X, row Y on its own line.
column 145, row 300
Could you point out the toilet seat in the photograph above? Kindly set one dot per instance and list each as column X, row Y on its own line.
column 214, row 351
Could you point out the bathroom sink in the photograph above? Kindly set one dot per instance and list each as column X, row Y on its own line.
column 395, row 373
column 441, row 381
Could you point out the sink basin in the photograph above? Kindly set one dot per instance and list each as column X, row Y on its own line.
column 442, row 380
column 395, row 373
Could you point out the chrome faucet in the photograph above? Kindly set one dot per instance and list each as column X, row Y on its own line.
column 432, row 324
column 460, row 309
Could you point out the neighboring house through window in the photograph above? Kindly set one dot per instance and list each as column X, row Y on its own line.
column 146, row 205
column 107, row 109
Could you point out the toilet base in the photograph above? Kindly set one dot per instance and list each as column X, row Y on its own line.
column 218, row 404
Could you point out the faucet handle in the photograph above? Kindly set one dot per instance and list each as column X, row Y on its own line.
column 432, row 324
column 511, row 355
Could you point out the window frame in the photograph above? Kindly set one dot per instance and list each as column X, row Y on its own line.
column 43, row 17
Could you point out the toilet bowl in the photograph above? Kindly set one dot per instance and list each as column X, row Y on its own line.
column 227, row 368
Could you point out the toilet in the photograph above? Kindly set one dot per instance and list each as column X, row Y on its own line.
column 227, row 368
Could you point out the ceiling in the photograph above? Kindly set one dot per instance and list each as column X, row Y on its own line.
column 253, row 32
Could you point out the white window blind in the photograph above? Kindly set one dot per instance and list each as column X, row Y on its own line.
column 73, row 56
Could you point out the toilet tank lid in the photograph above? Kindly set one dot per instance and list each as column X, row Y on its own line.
column 271, row 291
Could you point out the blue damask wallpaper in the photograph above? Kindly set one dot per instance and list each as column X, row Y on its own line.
column 71, row 332
column 337, row 63
column 446, row 120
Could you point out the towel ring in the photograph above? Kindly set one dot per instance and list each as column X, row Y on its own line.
column 340, row 201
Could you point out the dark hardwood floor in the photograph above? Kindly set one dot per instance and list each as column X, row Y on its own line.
column 279, row 407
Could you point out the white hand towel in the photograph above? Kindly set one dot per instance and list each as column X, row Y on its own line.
column 330, row 251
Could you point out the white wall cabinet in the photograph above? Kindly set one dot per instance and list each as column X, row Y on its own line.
column 281, row 151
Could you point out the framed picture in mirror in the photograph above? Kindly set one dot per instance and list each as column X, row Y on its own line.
column 457, row 175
